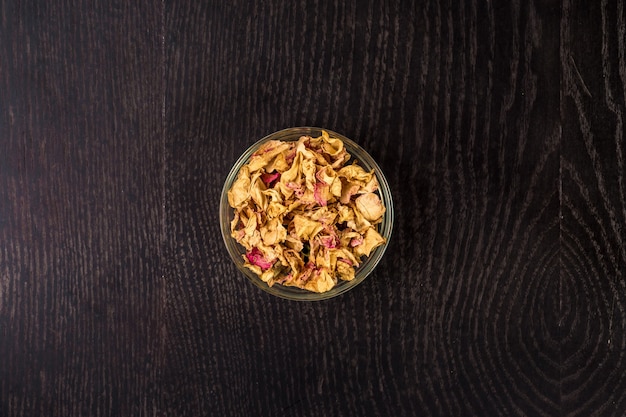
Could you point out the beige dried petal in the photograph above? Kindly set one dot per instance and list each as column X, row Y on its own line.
column 345, row 214
column 273, row 195
column 293, row 174
column 335, row 187
column 256, row 191
column 346, row 254
column 271, row 252
column 322, row 261
column 306, row 229
column 355, row 174
column 322, row 282
column 294, row 243
column 371, row 240
column 345, row 271
column 301, row 148
column 287, row 190
column 348, row 189
column 371, row 186
column 341, row 159
column 326, row 175
column 308, row 197
column 273, row 232
column 251, row 225
column 370, row 206
column 279, row 163
column 324, row 215
column 331, row 146
column 347, row 237
column 360, row 223
column 320, row 160
column 294, row 259
column 268, row 276
column 295, row 205
column 275, row 210
column 240, row 191
column 308, row 170
column 266, row 154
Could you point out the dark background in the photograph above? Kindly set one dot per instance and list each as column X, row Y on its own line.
column 499, row 125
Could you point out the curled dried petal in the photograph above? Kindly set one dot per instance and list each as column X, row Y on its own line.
column 323, row 281
column 279, row 164
column 266, row 154
column 348, row 189
column 305, row 228
column 331, row 146
column 330, row 242
column 256, row 191
column 355, row 174
column 326, row 175
column 270, row 179
column 321, row 193
column 370, row 206
column 255, row 257
column 292, row 175
column 240, row 190
column 273, row 232
column 345, row 271
column 371, row 240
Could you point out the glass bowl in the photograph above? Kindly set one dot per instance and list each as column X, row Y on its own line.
column 368, row 264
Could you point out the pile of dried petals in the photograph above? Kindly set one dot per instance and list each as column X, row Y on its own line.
column 304, row 216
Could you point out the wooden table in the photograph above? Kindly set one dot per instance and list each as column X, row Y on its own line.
column 499, row 125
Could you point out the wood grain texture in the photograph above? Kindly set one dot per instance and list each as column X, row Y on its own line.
column 498, row 125
column 593, row 250
column 81, row 190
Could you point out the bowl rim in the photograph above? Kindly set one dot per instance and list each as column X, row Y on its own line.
column 366, row 268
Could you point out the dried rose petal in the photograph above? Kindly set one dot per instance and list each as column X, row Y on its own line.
column 371, row 241
column 319, row 194
column 370, row 206
column 329, row 241
column 255, row 257
column 348, row 189
column 356, row 241
column 270, row 179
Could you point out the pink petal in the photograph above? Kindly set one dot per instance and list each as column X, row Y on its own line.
column 356, row 241
column 255, row 257
column 318, row 195
column 329, row 242
column 270, row 179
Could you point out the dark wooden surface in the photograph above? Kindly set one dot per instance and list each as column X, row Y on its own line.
column 500, row 127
